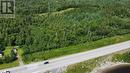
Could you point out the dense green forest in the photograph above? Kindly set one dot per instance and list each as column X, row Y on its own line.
column 42, row 25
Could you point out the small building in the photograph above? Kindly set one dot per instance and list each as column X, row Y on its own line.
column 1, row 54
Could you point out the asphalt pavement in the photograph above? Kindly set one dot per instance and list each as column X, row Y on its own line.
column 40, row 67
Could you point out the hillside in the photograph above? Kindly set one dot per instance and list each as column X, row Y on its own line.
column 44, row 25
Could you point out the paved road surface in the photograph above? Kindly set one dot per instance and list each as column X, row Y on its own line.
column 70, row 59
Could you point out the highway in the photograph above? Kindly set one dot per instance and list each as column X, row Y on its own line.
column 40, row 67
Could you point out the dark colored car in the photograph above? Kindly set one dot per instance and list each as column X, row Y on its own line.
column 7, row 71
column 46, row 62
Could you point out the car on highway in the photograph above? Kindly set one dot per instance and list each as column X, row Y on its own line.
column 7, row 71
column 46, row 62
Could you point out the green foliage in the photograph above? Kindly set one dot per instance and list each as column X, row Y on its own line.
column 44, row 25
column 8, row 58
column 44, row 55
column 85, row 67
column 122, row 57
column 2, row 47
column 8, row 65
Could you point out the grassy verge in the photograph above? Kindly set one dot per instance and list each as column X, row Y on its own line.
column 88, row 66
column 44, row 55
column 82, row 67
column 125, row 57
column 9, row 65
column 85, row 67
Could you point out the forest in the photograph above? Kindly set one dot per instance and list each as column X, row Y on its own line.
column 44, row 25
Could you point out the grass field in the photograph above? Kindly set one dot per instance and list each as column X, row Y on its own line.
column 14, row 63
column 39, row 56
column 9, row 65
